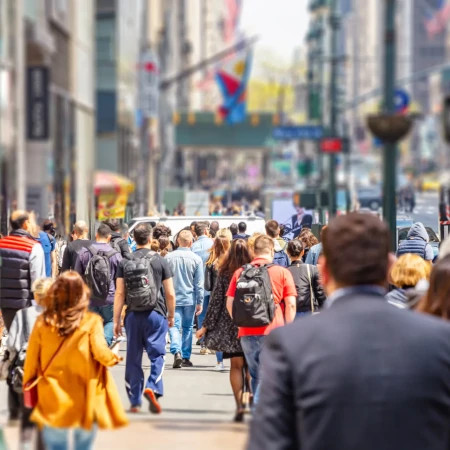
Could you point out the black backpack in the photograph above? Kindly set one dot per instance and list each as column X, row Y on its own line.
column 114, row 243
column 98, row 273
column 253, row 304
column 141, row 291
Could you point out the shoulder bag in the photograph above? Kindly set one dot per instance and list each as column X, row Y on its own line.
column 30, row 394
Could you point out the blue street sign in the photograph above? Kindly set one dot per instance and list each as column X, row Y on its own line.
column 301, row 132
column 401, row 100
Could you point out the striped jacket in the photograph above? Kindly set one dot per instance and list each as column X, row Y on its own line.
column 21, row 262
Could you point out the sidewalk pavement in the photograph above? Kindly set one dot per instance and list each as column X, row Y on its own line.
column 198, row 410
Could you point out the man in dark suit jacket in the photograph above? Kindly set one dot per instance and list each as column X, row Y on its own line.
column 362, row 375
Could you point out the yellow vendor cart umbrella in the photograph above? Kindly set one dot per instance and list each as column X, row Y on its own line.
column 111, row 193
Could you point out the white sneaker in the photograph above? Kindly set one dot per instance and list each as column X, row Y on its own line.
column 220, row 367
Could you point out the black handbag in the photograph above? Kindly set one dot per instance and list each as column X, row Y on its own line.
column 208, row 285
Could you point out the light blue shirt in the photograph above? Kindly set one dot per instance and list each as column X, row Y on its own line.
column 188, row 276
column 313, row 255
column 201, row 248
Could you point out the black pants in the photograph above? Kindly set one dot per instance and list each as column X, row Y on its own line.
column 13, row 398
column 16, row 407
column 8, row 316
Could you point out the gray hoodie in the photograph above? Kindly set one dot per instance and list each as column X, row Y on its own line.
column 417, row 243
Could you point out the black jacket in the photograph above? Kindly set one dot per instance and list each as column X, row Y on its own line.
column 15, row 270
column 299, row 273
column 360, row 375
column 71, row 253
column 122, row 244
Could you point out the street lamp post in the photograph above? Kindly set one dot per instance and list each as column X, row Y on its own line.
column 334, row 25
column 390, row 148
column 389, row 126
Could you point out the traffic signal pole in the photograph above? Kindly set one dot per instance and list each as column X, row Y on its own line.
column 334, row 26
column 390, row 149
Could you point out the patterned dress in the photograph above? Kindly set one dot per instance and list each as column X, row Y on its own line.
column 222, row 333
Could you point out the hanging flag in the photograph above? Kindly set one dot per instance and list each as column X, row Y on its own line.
column 232, row 78
column 437, row 18
column 233, row 13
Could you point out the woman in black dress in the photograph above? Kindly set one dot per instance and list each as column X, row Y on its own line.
column 217, row 254
column 218, row 328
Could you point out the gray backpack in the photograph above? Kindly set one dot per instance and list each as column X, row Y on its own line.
column 98, row 273
column 141, row 291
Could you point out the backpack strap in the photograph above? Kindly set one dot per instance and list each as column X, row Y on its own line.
column 93, row 250
column 111, row 253
column 150, row 255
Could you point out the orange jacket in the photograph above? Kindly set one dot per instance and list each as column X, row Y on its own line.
column 77, row 389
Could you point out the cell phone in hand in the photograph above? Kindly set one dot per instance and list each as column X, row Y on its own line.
column 116, row 343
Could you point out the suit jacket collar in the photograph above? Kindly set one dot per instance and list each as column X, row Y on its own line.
column 351, row 291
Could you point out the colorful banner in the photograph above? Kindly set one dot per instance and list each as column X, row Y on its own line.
column 232, row 79
column 111, row 206
column 437, row 17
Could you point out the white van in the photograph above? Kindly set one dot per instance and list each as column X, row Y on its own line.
column 177, row 223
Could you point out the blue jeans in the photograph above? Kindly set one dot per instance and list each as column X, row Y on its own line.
column 252, row 346
column 144, row 330
column 302, row 314
column 181, row 333
column 219, row 357
column 58, row 438
column 107, row 314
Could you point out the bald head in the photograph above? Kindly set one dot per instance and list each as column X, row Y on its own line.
column 20, row 220
column 80, row 230
column 185, row 239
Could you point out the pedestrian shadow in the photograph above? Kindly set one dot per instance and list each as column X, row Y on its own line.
column 191, row 425
column 219, row 395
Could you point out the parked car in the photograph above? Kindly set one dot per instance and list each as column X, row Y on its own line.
column 370, row 197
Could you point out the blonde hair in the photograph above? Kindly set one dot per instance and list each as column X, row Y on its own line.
column 408, row 270
column 40, row 288
column 226, row 233
column 185, row 237
column 251, row 242
column 219, row 249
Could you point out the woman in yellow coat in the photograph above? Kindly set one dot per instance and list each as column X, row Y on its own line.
column 76, row 391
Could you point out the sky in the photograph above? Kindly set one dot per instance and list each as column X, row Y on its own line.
column 280, row 24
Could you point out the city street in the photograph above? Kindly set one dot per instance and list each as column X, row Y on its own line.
column 198, row 409
column 427, row 210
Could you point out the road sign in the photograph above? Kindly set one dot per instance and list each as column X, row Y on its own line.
column 331, row 145
column 148, row 84
column 401, row 101
column 302, row 132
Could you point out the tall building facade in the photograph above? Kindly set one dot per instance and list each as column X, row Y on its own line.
column 48, row 109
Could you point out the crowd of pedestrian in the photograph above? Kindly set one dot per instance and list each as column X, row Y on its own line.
column 359, row 352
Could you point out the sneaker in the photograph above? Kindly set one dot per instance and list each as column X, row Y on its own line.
column 177, row 361
column 153, row 405
column 186, row 363
column 135, row 409
column 204, row 350
column 220, row 367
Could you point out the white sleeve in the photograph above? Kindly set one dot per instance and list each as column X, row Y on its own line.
column 37, row 263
